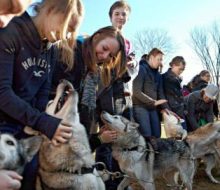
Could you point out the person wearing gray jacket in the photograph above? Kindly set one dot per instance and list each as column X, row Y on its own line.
column 148, row 94
column 199, row 107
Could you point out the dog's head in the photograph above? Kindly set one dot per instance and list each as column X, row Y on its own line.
column 14, row 154
column 173, row 125
column 118, row 123
column 62, row 157
column 62, row 105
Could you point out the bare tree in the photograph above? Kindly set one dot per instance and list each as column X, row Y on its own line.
column 206, row 43
column 146, row 40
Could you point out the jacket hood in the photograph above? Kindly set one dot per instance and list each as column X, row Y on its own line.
column 24, row 25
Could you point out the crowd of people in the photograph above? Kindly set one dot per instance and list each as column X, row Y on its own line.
column 38, row 51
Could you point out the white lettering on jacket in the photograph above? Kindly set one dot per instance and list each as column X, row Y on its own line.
column 32, row 61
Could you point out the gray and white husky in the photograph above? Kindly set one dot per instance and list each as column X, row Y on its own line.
column 205, row 144
column 15, row 154
column 142, row 159
column 71, row 165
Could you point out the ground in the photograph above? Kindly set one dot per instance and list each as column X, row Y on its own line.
column 201, row 181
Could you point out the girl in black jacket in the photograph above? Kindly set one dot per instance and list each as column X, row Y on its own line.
column 172, row 87
column 27, row 51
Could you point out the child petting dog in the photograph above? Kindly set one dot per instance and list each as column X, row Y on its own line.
column 10, row 180
column 26, row 69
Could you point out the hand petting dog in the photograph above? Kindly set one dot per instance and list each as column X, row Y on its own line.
column 62, row 134
column 107, row 136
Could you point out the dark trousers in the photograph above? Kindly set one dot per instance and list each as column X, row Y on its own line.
column 30, row 170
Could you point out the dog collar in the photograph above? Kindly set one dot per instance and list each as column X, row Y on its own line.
column 131, row 149
column 85, row 170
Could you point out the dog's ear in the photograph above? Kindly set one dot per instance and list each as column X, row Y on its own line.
column 31, row 146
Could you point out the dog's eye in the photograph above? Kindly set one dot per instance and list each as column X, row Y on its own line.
column 11, row 143
column 116, row 117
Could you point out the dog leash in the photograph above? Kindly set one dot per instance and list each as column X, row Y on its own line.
column 117, row 174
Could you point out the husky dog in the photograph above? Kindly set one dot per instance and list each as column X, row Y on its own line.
column 138, row 160
column 15, row 154
column 69, row 166
column 212, row 161
column 172, row 125
column 205, row 144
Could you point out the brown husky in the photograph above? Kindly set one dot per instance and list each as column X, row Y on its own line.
column 205, row 143
column 69, row 166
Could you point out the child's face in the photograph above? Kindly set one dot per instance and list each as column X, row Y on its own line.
column 105, row 49
column 206, row 77
column 52, row 26
column 178, row 69
column 206, row 99
column 119, row 17
column 156, row 61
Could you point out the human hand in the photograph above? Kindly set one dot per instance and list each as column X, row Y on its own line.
column 9, row 180
column 159, row 102
column 108, row 136
column 165, row 111
column 62, row 134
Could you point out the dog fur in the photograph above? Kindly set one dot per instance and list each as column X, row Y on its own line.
column 205, row 143
column 172, row 126
column 150, row 159
column 61, row 167
column 15, row 154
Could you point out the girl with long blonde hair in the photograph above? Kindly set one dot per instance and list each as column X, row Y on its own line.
column 28, row 51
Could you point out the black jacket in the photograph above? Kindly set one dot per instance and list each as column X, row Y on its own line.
column 196, row 109
column 173, row 92
column 25, row 76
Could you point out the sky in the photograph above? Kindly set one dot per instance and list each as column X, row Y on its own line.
column 177, row 17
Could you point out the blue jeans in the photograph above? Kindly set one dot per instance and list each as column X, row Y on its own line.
column 148, row 120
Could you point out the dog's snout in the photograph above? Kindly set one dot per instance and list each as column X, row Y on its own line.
column 2, row 156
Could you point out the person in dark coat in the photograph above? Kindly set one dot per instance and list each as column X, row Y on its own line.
column 28, row 51
column 172, row 87
column 199, row 106
column 148, row 94
column 199, row 82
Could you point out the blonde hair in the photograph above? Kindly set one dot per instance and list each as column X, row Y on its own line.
column 117, row 63
column 73, row 11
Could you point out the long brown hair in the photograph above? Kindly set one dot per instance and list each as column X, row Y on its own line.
column 73, row 13
column 118, row 63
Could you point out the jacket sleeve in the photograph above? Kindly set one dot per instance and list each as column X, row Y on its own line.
column 14, row 106
column 138, row 85
column 191, row 116
column 94, row 141
column 210, row 114
column 160, row 92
